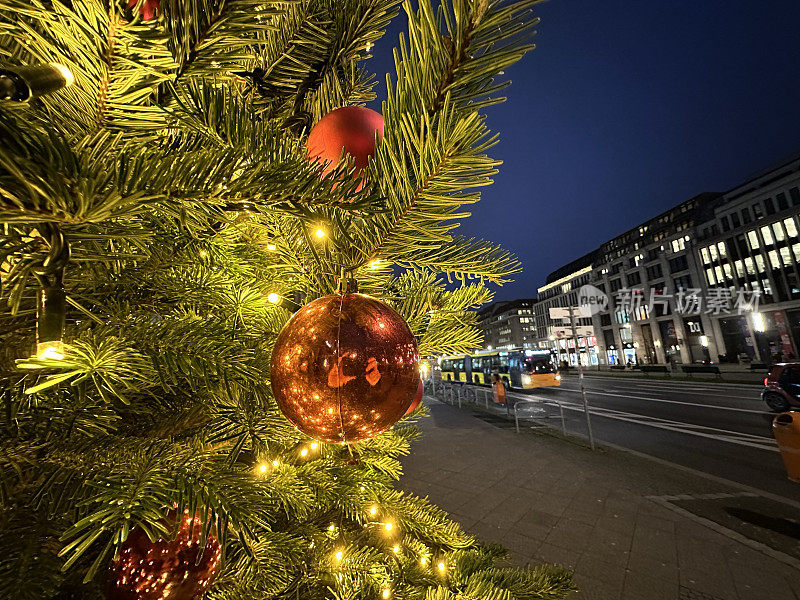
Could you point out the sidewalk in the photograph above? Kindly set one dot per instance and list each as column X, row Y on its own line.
column 549, row 500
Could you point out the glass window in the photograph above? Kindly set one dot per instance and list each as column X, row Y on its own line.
column 721, row 248
column 752, row 237
column 718, row 273
column 710, row 277
column 735, row 220
column 786, row 256
column 779, row 235
column 773, row 259
column 783, row 203
column 739, row 268
column 728, row 271
column 791, row 227
column 760, row 263
column 746, row 215
column 767, row 235
column 713, row 251
column 796, row 250
column 757, row 211
column 704, row 254
column 769, row 206
column 750, row 266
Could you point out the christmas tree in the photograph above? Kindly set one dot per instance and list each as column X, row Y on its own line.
column 161, row 222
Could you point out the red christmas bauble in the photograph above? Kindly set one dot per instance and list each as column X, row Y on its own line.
column 417, row 397
column 149, row 9
column 165, row 569
column 350, row 128
column 344, row 368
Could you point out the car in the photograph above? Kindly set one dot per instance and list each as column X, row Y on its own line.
column 782, row 387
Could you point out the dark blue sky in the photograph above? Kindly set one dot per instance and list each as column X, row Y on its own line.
column 626, row 108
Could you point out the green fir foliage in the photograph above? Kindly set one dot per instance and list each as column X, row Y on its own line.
column 175, row 169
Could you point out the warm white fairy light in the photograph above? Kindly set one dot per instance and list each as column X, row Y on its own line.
column 331, row 527
column 273, row 298
column 272, row 247
column 396, row 549
column 441, row 566
column 373, row 510
column 389, row 525
column 339, row 555
column 262, row 468
column 423, row 560
column 53, row 350
column 304, row 452
column 320, row 233
column 386, row 593
column 276, row 462
column 314, row 445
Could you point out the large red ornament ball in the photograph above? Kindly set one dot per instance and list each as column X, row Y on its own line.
column 417, row 398
column 350, row 128
column 344, row 368
column 166, row 569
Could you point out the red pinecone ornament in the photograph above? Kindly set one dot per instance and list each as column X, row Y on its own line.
column 165, row 569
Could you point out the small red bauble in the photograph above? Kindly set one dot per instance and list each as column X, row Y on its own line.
column 350, row 128
column 165, row 569
column 417, row 398
column 344, row 368
column 149, row 9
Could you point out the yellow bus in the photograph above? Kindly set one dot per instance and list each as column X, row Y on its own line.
column 525, row 369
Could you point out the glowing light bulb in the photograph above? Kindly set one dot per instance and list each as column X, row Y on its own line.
column 441, row 566
column 339, row 555
column 331, row 527
column 423, row 560
column 314, row 445
column 373, row 510
column 53, row 350
column 320, row 233
column 389, row 526
column 386, row 593
column 263, row 468
column 396, row 549
column 272, row 247
column 273, row 298
column 275, row 462
column 375, row 264
column 304, row 452
column 203, row 253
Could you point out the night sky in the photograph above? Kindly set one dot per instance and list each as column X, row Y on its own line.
column 626, row 108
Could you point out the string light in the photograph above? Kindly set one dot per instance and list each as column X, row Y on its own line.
column 320, row 233
column 276, row 462
column 386, row 593
column 272, row 247
column 53, row 350
column 375, row 264
column 304, row 452
column 423, row 560
column 339, row 555
column 396, row 549
column 389, row 526
column 441, row 566
column 314, row 445
column 262, row 468
column 331, row 527
column 273, row 298
column 203, row 253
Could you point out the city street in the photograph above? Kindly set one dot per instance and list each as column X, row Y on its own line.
column 718, row 428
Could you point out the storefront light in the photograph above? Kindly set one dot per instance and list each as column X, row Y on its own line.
column 758, row 322
column 704, row 341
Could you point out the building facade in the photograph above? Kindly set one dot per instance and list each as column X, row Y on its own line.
column 507, row 325
column 713, row 279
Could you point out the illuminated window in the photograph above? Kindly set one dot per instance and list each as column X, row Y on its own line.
column 752, row 237
column 791, row 227
column 722, row 251
column 779, row 235
column 773, row 259
column 760, row 263
column 786, row 257
column 766, row 233
column 704, row 254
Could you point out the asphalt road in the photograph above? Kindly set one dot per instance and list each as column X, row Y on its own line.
column 721, row 429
